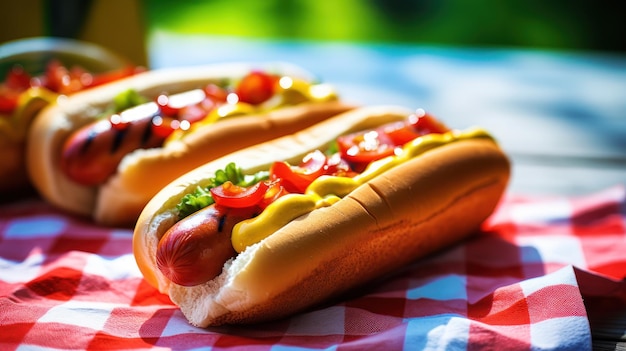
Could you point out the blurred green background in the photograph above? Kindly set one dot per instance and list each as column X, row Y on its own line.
column 124, row 25
column 554, row 24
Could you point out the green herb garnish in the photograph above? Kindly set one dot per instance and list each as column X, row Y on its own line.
column 332, row 149
column 123, row 101
column 202, row 198
column 127, row 99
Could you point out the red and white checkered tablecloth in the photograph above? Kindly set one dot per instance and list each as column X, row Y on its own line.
column 524, row 282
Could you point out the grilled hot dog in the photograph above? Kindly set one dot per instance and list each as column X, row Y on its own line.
column 319, row 212
column 23, row 95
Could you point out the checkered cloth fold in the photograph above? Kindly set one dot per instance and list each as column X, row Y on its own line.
column 532, row 279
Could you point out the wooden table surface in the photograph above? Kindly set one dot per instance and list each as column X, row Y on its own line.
column 561, row 116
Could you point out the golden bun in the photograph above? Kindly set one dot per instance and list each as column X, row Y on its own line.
column 432, row 201
column 142, row 173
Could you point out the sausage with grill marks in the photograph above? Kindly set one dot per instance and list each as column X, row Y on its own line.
column 194, row 250
column 92, row 154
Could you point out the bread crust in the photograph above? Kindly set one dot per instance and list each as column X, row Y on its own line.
column 428, row 203
column 119, row 201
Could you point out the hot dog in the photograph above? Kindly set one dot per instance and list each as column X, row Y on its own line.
column 22, row 95
column 284, row 225
column 105, row 152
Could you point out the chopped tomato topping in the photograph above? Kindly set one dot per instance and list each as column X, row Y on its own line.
column 337, row 166
column 17, row 78
column 163, row 101
column 234, row 196
column 274, row 191
column 313, row 163
column 172, row 105
column 216, row 93
column 163, row 126
column 17, row 81
column 107, row 77
column 57, row 78
column 399, row 133
column 362, row 148
column 256, row 87
column 8, row 100
column 296, row 179
column 425, row 123
column 196, row 112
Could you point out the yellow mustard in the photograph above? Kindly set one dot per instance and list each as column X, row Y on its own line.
column 327, row 190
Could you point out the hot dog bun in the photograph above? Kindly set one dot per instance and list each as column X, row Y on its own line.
column 434, row 200
column 33, row 71
column 141, row 174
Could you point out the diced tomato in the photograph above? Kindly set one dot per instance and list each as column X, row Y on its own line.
column 216, row 93
column 80, row 79
column 163, row 102
column 234, row 196
column 275, row 190
column 8, row 100
column 424, row 123
column 190, row 106
column 360, row 149
column 337, row 166
column 107, row 77
column 17, row 79
column 296, row 179
column 256, row 87
column 282, row 171
column 56, row 76
column 400, row 133
column 197, row 112
column 16, row 82
column 164, row 126
column 313, row 163
column 60, row 79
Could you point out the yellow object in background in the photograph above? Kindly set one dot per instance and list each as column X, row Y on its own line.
column 125, row 26
column 117, row 25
